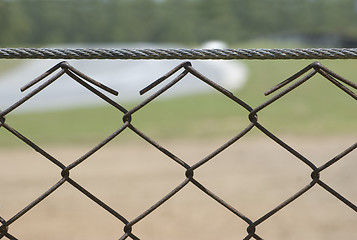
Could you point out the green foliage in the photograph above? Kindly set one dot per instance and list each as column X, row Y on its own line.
column 38, row 22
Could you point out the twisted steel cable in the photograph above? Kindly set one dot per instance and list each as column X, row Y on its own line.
column 226, row 54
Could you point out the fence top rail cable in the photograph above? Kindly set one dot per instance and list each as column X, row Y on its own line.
column 151, row 53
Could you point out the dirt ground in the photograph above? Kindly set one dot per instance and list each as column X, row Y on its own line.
column 254, row 176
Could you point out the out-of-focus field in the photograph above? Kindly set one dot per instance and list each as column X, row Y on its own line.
column 316, row 108
column 254, row 175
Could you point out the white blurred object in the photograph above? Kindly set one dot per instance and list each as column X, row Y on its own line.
column 214, row 44
column 128, row 77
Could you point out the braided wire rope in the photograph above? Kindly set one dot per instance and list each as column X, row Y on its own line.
column 131, row 53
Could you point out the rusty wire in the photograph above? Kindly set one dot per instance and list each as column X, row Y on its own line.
column 188, row 170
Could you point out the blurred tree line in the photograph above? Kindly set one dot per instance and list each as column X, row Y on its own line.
column 40, row 22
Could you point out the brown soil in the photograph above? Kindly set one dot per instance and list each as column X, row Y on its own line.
column 254, row 176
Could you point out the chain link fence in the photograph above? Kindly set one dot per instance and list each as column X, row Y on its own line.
column 103, row 92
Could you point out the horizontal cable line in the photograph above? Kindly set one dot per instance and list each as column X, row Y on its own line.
column 224, row 54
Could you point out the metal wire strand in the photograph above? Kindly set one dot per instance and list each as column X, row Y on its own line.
column 187, row 171
column 132, row 53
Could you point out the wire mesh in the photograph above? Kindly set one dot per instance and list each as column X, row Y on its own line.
column 188, row 170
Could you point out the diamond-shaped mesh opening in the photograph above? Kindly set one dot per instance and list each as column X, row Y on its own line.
column 251, row 180
column 67, row 213
column 207, row 219
column 130, row 177
column 315, row 215
column 25, row 175
column 193, row 117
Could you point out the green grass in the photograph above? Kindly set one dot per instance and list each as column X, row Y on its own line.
column 315, row 108
column 6, row 65
column 194, row 116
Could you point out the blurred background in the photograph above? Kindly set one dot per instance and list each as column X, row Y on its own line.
column 176, row 24
column 321, row 23
column 191, row 120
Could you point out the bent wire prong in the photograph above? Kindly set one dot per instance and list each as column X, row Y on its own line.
column 65, row 66
column 161, row 79
column 322, row 70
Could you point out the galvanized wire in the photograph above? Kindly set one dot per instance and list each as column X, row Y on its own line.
column 130, row 53
column 188, row 170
